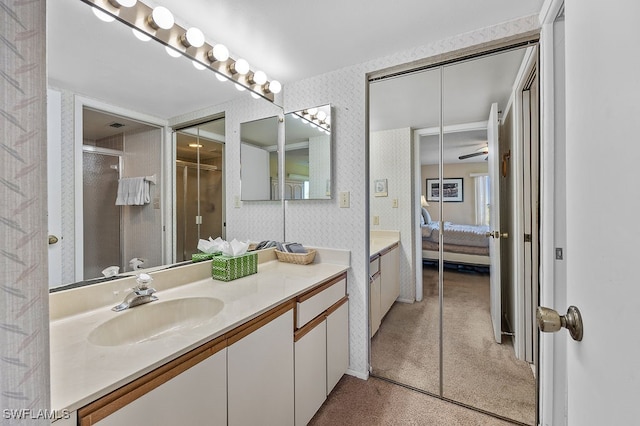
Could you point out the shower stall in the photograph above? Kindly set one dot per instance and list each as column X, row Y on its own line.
column 199, row 186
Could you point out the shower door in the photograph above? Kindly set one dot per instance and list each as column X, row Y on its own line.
column 199, row 186
column 101, row 226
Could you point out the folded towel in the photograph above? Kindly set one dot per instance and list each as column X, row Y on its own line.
column 133, row 192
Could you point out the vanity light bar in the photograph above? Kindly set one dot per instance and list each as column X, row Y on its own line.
column 159, row 24
column 315, row 118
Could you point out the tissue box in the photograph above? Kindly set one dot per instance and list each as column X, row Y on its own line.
column 199, row 257
column 227, row 268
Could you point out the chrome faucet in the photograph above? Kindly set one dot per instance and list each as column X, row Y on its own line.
column 140, row 295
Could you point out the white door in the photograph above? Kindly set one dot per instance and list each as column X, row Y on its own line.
column 494, row 221
column 602, row 160
column 54, row 182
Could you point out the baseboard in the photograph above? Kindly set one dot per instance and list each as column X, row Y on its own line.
column 357, row 374
column 405, row 300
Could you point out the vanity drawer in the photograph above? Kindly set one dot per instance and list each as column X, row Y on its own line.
column 318, row 300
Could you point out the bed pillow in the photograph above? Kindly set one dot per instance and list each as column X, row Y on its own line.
column 425, row 216
column 421, row 219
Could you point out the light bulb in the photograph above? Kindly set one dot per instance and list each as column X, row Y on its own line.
column 161, row 17
column 259, row 78
column 239, row 87
column 322, row 115
column 193, row 37
column 123, row 3
column 313, row 111
column 241, row 66
column 172, row 52
column 105, row 17
column 273, row 86
column 197, row 65
column 140, row 35
column 219, row 53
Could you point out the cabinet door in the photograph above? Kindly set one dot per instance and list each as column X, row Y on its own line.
column 311, row 372
column 260, row 375
column 198, row 396
column 337, row 344
column 390, row 282
column 374, row 305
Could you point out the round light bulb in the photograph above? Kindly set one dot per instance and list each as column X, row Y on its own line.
column 105, row 17
column 194, row 37
column 242, row 66
column 172, row 52
column 313, row 111
column 197, row 65
column 274, row 86
column 321, row 115
column 259, row 78
column 162, row 18
column 220, row 52
column 140, row 35
column 123, row 3
column 239, row 87
column 221, row 77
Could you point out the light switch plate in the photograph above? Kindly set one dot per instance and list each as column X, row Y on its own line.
column 376, row 220
column 394, row 203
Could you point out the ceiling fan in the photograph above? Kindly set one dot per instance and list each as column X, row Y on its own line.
column 480, row 151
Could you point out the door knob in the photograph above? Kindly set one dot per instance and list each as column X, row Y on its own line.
column 52, row 239
column 496, row 234
column 549, row 321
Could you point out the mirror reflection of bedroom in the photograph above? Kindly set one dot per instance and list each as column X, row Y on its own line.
column 455, row 149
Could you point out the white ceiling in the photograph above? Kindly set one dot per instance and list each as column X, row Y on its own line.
column 288, row 40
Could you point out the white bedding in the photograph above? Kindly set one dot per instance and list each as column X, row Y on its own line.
column 457, row 234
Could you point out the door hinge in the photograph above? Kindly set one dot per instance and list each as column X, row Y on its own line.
column 527, row 238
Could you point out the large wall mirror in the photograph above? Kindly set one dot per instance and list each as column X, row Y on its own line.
column 259, row 159
column 468, row 129
column 105, row 67
column 307, row 154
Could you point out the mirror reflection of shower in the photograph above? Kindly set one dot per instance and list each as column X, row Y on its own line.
column 114, row 148
column 199, row 186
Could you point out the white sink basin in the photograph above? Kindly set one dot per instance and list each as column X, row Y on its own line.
column 155, row 320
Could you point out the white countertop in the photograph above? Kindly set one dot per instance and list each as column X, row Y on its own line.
column 82, row 372
column 380, row 240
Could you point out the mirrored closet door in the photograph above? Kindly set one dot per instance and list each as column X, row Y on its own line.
column 459, row 336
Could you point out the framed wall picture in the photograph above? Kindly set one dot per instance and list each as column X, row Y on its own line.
column 452, row 190
column 380, row 187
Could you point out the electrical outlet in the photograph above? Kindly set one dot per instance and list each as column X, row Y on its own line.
column 394, row 203
column 376, row 220
column 344, row 199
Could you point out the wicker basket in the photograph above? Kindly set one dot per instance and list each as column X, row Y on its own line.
column 297, row 258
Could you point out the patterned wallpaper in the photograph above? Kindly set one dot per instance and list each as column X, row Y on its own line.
column 24, row 312
column 391, row 158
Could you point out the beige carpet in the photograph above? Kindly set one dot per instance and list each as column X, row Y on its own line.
column 476, row 370
column 372, row 402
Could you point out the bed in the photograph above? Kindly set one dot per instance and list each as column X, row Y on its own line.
column 462, row 244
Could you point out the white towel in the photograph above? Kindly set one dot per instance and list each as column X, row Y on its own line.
column 133, row 192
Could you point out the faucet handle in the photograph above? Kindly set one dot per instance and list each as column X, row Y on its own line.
column 143, row 281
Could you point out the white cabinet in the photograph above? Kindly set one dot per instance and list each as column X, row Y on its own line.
column 192, row 391
column 260, row 372
column 384, row 285
column 337, row 343
column 390, row 278
column 375, row 313
column 310, row 369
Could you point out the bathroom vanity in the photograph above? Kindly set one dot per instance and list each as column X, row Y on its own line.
column 263, row 349
column 384, row 275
